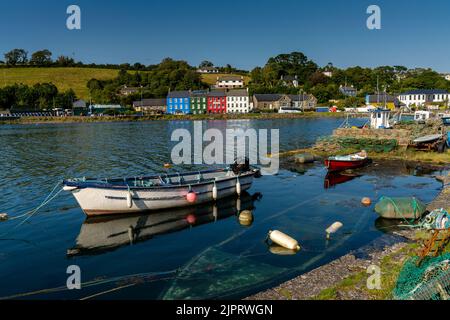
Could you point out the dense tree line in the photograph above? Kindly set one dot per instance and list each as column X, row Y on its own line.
column 312, row 78
column 41, row 96
column 168, row 75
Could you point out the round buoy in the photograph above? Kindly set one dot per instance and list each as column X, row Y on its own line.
column 3, row 216
column 191, row 219
column 191, row 197
column 366, row 201
column 246, row 218
column 167, row 165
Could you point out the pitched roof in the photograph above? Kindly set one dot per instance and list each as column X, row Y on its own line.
column 237, row 93
column 268, row 96
column 150, row 102
column 179, row 94
column 425, row 91
column 372, row 98
column 230, row 78
column 299, row 97
column 199, row 93
column 216, row 93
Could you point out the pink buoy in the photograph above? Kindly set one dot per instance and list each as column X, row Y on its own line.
column 191, row 197
column 191, row 219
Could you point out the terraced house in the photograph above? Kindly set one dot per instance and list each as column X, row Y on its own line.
column 179, row 102
column 199, row 102
column 238, row 101
column 217, row 101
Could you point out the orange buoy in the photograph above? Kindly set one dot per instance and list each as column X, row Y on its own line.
column 191, row 197
column 167, row 165
column 366, row 201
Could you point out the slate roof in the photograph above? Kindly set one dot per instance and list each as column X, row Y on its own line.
column 267, row 96
column 150, row 103
column 179, row 94
column 238, row 93
column 230, row 78
column 217, row 93
column 373, row 98
column 425, row 91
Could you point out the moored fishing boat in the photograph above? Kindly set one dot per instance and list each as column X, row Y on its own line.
column 352, row 161
column 139, row 194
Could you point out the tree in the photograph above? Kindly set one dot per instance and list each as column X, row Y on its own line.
column 64, row 61
column 41, row 58
column 206, row 64
column 16, row 56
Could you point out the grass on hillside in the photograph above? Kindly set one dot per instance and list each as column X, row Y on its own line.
column 62, row 78
column 212, row 78
column 71, row 78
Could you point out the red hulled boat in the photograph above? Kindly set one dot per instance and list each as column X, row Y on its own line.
column 352, row 161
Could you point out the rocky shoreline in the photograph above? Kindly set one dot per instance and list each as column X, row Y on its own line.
column 392, row 246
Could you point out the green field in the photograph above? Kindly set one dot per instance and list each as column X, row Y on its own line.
column 70, row 78
column 63, row 78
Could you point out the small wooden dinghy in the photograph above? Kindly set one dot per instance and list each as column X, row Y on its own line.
column 352, row 161
column 428, row 139
column 139, row 194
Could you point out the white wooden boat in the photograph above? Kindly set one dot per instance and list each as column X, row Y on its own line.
column 139, row 194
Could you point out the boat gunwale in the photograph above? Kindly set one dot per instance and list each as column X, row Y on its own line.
column 108, row 186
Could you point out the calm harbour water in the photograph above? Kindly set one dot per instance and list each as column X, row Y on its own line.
column 214, row 255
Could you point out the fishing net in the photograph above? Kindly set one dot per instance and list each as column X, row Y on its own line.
column 400, row 208
column 374, row 145
column 429, row 281
column 215, row 274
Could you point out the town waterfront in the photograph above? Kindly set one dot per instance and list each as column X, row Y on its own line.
column 210, row 254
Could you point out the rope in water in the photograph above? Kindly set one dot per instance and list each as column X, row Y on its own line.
column 146, row 277
column 52, row 195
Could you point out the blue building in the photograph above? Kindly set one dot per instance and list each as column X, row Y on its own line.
column 179, row 102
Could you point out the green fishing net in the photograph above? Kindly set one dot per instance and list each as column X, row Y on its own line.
column 429, row 281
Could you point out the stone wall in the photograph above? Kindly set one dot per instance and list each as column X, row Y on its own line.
column 402, row 136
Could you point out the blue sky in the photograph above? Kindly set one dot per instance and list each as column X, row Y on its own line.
column 243, row 33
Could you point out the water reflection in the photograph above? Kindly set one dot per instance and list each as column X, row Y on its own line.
column 332, row 179
column 102, row 234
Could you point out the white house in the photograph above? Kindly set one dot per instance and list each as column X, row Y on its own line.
column 423, row 97
column 238, row 101
column 230, row 82
column 208, row 70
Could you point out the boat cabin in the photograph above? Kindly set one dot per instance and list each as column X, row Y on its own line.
column 421, row 116
column 379, row 119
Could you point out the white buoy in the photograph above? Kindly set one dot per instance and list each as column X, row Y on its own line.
column 284, row 240
column 333, row 228
column 238, row 204
column 129, row 200
column 3, row 216
column 238, row 187
column 214, row 192
column 215, row 212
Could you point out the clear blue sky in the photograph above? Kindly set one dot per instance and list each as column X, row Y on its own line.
column 243, row 33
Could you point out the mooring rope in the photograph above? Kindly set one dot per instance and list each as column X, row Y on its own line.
column 144, row 277
column 52, row 195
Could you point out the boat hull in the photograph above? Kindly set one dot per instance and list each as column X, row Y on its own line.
column 341, row 165
column 97, row 201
